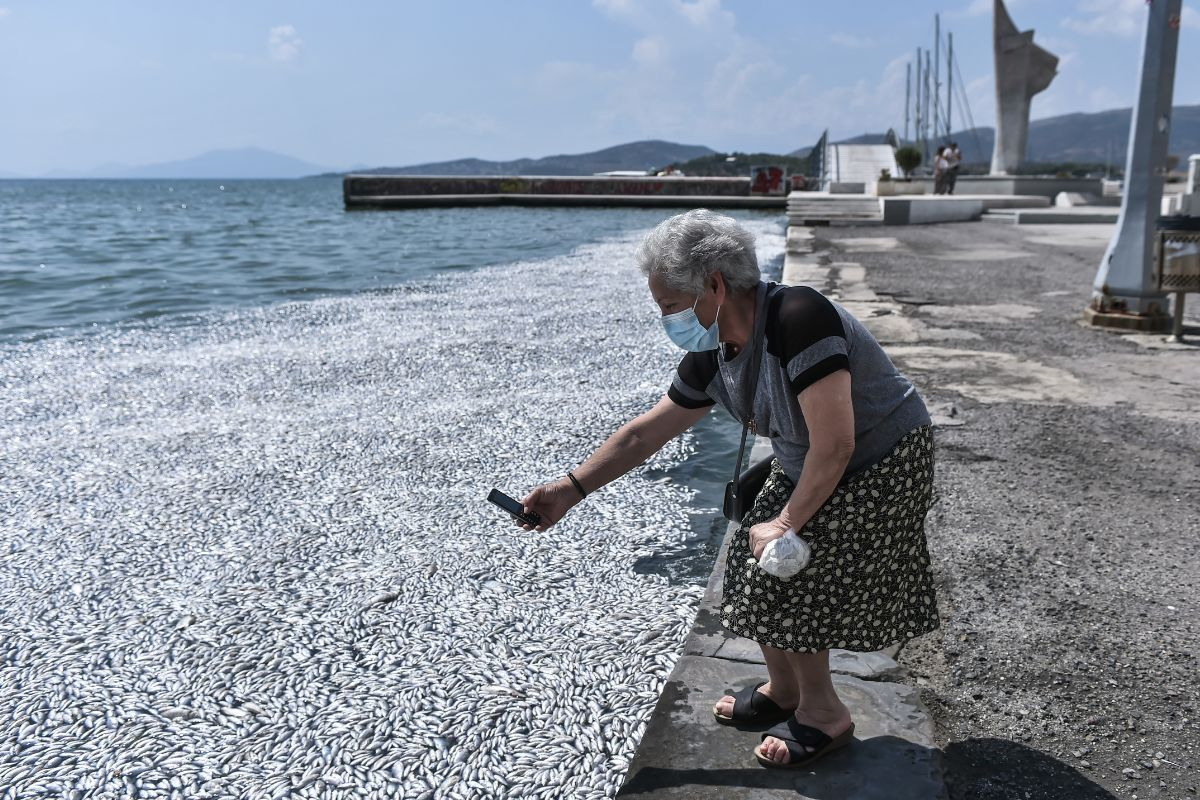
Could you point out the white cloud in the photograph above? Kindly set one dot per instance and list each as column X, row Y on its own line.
column 1189, row 19
column 283, row 43
column 1119, row 17
column 1061, row 47
column 1101, row 17
column 981, row 96
column 850, row 40
column 703, row 13
column 688, row 62
column 567, row 77
column 650, row 51
column 659, row 15
column 616, row 8
column 744, row 80
column 4, row 12
column 978, row 8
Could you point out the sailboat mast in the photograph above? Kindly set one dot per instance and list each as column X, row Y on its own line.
column 907, row 96
column 949, row 82
column 937, row 62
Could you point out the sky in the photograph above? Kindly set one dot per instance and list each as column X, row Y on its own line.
column 399, row 82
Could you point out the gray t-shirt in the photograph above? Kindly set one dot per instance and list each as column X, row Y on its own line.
column 806, row 337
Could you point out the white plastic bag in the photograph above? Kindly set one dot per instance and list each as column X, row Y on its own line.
column 785, row 556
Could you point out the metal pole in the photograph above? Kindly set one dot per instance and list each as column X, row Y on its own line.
column 927, row 98
column 1124, row 293
column 917, row 104
column 907, row 96
column 937, row 63
column 949, row 81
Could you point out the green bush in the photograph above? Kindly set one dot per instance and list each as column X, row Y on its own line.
column 908, row 158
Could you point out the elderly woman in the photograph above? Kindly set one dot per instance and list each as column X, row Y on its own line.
column 852, row 473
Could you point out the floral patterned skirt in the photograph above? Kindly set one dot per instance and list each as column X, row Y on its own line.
column 869, row 583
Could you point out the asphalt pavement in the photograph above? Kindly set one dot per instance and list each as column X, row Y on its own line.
column 1067, row 524
column 1064, row 538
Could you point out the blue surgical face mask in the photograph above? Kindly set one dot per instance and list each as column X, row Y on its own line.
column 685, row 330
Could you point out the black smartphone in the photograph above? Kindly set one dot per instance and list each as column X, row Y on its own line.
column 514, row 507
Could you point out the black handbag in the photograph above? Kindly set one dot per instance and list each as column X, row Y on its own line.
column 741, row 492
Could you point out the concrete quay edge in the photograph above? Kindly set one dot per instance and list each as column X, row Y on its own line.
column 365, row 202
column 600, row 200
column 685, row 753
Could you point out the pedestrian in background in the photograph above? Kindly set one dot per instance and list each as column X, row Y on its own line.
column 953, row 159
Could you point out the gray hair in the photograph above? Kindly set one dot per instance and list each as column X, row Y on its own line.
column 686, row 249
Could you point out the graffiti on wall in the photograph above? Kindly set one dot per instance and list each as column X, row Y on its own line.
column 767, row 180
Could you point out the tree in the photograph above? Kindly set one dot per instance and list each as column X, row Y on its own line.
column 908, row 158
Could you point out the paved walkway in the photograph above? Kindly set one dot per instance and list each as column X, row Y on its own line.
column 1068, row 476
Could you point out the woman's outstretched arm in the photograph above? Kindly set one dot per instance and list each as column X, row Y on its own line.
column 631, row 445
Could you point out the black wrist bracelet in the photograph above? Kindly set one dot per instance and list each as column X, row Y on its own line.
column 578, row 486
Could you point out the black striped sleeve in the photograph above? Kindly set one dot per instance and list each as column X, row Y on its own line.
column 689, row 388
column 805, row 332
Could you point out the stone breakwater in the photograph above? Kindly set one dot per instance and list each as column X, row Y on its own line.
column 250, row 557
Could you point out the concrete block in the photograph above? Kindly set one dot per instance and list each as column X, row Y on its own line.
column 1045, row 186
column 1008, row 201
column 1065, row 216
column 686, row 754
column 866, row 666
column 1189, row 204
column 898, row 188
column 798, row 272
column 1072, row 199
column 846, row 187
column 926, row 210
column 800, row 240
column 1151, row 323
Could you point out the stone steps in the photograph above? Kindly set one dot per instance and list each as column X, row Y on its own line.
column 1053, row 216
column 819, row 207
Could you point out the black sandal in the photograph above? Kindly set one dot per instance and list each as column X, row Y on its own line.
column 752, row 707
column 794, row 732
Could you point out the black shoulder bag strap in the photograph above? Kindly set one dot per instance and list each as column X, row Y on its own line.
column 760, row 326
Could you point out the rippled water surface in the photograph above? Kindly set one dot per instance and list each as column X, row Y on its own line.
column 86, row 254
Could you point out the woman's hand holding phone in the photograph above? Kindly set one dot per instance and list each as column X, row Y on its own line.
column 551, row 501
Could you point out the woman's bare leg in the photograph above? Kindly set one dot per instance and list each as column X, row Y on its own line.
column 820, row 707
column 782, row 686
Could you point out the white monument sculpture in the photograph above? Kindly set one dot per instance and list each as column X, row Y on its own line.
column 1022, row 70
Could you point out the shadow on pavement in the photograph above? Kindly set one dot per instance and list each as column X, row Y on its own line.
column 858, row 772
column 976, row 769
column 997, row 769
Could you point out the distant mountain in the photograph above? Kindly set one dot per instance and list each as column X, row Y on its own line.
column 1089, row 137
column 247, row 162
column 1083, row 138
column 633, row 156
column 738, row 165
